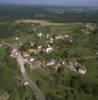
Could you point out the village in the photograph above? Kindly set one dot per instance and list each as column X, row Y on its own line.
column 46, row 56
column 48, row 50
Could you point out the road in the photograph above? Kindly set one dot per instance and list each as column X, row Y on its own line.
column 39, row 95
column 91, row 57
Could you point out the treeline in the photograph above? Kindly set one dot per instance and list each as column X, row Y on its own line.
column 52, row 14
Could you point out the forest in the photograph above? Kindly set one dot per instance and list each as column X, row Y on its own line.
column 54, row 14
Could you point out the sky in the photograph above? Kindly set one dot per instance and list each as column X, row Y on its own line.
column 52, row 2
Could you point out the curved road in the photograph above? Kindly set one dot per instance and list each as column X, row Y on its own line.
column 39, row 95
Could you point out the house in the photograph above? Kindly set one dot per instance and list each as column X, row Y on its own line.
column 82, row 70
column 35, row 51
column 51, row 63
column 1, row 45
column 14, row 53
column 16, row 38
column 48, row 45
column 82, row 30
column 40, row 34
column 25, row 54
column 87, row 32
column 96, row 53
column 31, row 50
column 32, row 59
column 72, row 65
column 48, row 50
column 88, row 25
column 60, row 37
column 39, row 46
column 48, row 36
column 26, row 83
column 71, row 41
column 66, row 36
column 51, row 40
column 31, row 44
column 34, row 29
column 56, row 66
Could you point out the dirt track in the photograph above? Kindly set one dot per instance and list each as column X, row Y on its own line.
column 42, row 22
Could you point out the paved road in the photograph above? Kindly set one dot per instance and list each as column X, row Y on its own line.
column 39, row 95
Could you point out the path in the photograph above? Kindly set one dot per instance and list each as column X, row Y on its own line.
column 39, row 95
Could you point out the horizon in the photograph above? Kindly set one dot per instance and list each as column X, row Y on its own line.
column 44, row 5
column 88, row 3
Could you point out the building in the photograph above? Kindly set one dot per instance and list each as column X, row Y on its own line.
column 60, row 37
column 50, row 63
column 96, row 53
column 56, row 66
column 40, row 34
column 16, row 38
column 51, row 40
column 48, row 36
column 25, row 54
column 48, row 50
column 66, row 36
column 82, row 70
column 32, row 59
column 26, row 83
column 31, row 44
column 1, row 45
column 14, row 53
